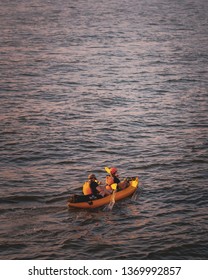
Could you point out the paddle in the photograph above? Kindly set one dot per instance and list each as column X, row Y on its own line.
column 112, row 201
column 114, row 188
column 107, row 169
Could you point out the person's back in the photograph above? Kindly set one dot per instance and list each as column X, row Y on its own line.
column 90, row 186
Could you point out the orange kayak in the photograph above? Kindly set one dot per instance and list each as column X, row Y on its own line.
column 133, row 185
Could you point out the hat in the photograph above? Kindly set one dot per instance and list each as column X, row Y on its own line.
column 92, row 176
column 113, row 170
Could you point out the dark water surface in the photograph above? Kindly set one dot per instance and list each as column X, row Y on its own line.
column 88, row 84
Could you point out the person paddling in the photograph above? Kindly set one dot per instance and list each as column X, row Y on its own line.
column 93, row 189
column 113, row 178
column 90, row 187
column 90, row 191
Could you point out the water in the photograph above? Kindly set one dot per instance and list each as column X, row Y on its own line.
column 89, row 84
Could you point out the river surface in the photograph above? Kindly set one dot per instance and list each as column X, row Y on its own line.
column 89, row 84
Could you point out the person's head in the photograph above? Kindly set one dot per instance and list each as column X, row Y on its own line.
column 92, row 177
column 113, row 171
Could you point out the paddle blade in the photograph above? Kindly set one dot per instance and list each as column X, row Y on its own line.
column 135, row 183
column 114, row 186
column 107, row 169
column 109, row 207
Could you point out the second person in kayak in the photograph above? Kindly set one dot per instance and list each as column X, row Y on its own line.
column 113, row 178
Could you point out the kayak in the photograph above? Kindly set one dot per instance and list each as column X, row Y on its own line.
column 121, row 194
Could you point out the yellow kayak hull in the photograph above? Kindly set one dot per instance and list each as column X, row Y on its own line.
column 133, row 185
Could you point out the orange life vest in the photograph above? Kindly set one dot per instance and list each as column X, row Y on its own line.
column 109, row 180
column 86, row 188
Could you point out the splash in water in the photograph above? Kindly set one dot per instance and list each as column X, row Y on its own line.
column 109, row 207
column 136, row 194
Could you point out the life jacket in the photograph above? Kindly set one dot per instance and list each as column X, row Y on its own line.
column 109, row 180
column 86, row 188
